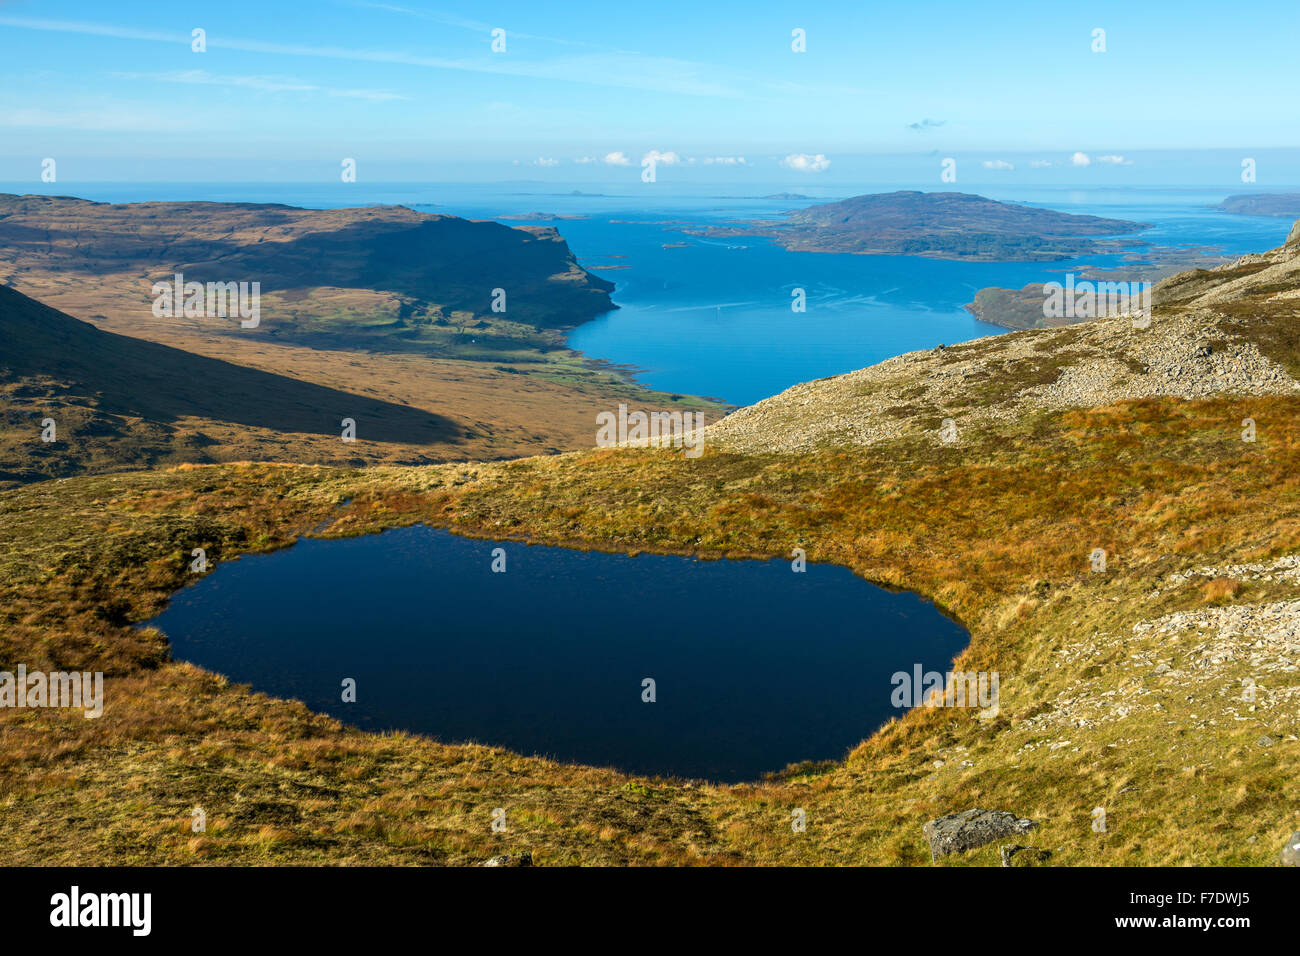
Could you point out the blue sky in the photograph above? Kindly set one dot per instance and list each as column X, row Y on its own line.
column 286, row 88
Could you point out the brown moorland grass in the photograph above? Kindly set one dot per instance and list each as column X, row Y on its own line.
column 380, row 314
column 997, row 529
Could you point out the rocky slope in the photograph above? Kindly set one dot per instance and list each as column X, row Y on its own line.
column 1225, row 331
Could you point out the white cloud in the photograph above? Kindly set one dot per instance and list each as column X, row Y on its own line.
column 805, row 163
column 1113, row 160
column 545, row 161
column 617, row 159
column 1039, row 163
column 1081, row 159
column 660, row 159
column 997, row 164
column 724, row 161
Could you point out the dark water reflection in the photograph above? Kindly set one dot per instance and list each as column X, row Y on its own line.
column 754, row 666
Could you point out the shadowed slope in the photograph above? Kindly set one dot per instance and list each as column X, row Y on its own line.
column 92, row 383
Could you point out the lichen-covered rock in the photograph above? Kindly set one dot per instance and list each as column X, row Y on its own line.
column 959, row 832
column 1014, row 854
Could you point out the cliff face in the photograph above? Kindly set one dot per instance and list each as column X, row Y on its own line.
column 411, row 266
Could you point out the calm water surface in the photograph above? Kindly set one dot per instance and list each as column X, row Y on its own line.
column 712, row 317
column 755, row 666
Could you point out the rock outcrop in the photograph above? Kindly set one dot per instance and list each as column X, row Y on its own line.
column 959, row 832
column 1291, row 852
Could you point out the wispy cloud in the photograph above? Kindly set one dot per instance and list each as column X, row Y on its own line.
column 478, row 26
column 926, row 124
column 999, row 164
column 94, row 29
column 265, row 84
column 106, row 118
column 1114, row 160
column 618, row 69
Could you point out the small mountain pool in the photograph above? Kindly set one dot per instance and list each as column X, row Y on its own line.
column 754, row 666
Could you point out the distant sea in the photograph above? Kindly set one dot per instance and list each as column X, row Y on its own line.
column 713, row 317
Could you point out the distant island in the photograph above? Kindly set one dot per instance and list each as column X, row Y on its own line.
column 940, row 225
column 542, row 217
column 572, row 192
column 1281, row 205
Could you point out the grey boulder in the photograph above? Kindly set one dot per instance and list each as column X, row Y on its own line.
column 959, row 832
column 1291, row 852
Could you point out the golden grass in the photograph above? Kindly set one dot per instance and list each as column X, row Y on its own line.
column 998, row 530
